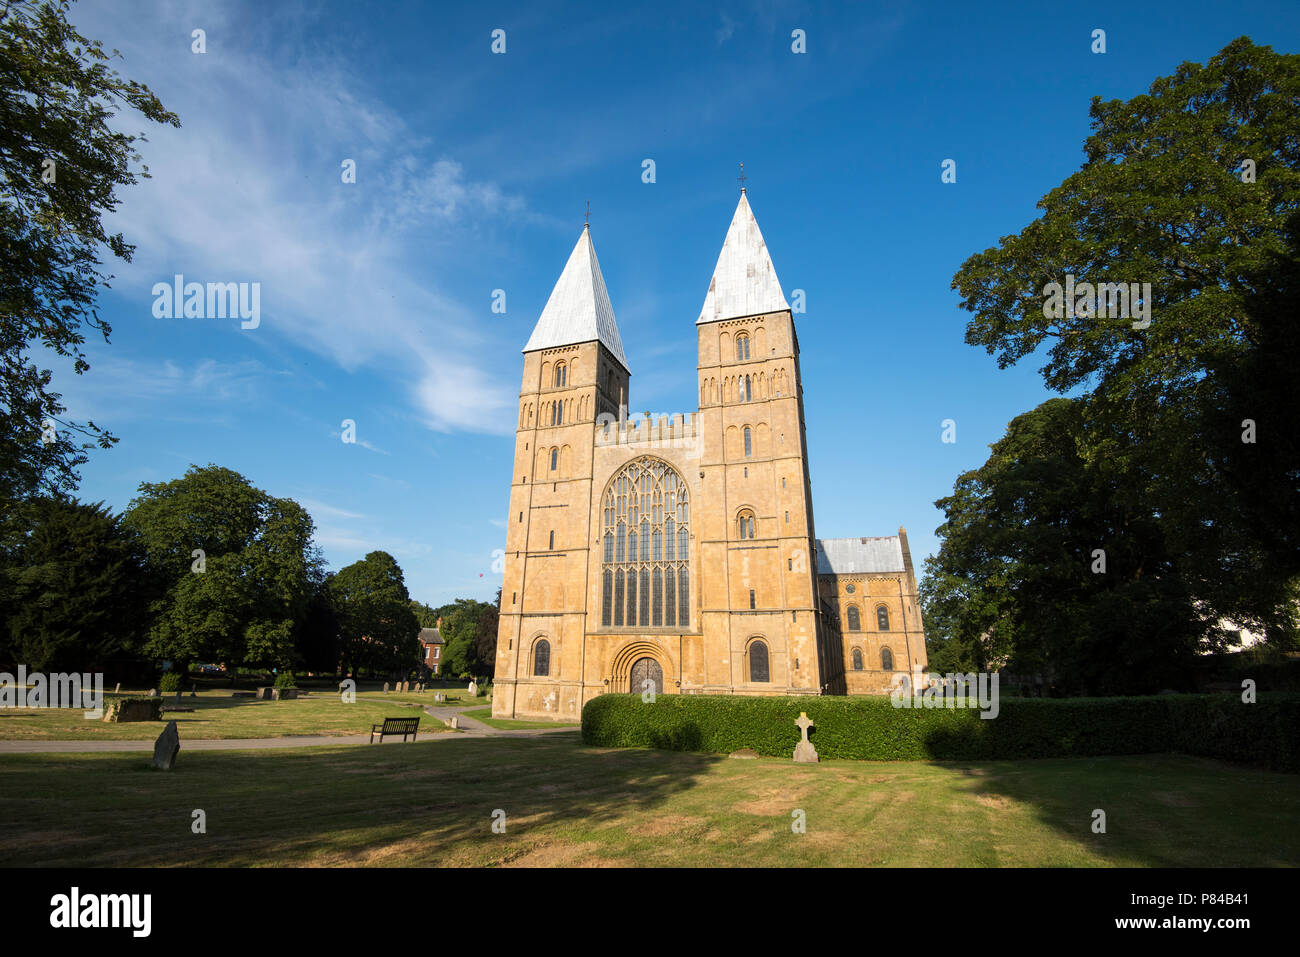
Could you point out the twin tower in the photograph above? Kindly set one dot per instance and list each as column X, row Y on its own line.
column 677, row 554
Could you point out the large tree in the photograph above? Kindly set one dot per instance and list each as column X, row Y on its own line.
column 377, row 628
column 1050, row 566
column 62, row 158
column 74, row 591
column 1192, row 188
column 239, row 566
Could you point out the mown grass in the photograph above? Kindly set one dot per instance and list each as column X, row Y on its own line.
column 218, row 715
column 566, row 804
column 513, row 724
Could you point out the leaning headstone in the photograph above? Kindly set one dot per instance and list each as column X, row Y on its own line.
column 385, row 687
column 166, row 748
column 804, row 752
column 153, row 693
column 178, row 695
column 472, row 690
column 117, row 688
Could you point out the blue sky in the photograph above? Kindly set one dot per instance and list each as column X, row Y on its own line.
column 473, row 169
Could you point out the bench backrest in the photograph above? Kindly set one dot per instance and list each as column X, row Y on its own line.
column 400, row 725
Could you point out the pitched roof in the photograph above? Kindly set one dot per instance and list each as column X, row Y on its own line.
column 430, row 636
column 744, row 281
column 579, row 308
column 844, row 556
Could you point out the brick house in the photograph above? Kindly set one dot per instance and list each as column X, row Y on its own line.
column 431, row 645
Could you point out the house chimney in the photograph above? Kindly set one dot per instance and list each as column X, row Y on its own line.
column 438, row 623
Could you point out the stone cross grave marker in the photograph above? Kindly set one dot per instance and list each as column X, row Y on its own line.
column 804, row 752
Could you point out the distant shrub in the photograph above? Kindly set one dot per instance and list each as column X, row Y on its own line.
column 285, row 679
column 1266, row 733
column 170, row 682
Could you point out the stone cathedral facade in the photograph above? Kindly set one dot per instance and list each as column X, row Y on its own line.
column 678, row 552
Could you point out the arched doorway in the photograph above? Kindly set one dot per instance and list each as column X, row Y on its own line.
column 646, row 669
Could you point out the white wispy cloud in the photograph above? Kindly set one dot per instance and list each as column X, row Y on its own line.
column 249, row 189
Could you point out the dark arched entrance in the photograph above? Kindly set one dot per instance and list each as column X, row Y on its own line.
column 643, row 670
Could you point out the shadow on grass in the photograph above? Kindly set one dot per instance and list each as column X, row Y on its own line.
column 1161, row 810
column 400, row 804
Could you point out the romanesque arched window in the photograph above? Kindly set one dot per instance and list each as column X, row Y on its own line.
column 561, row 374
column 746, row 523
column 886, row 659
column 542, row 658
column 855, row 620
column 749, row 444
column 646, row 576
column 742, row 346
column 882, row 618
column 555, row 458
column 758, row 670
column 857, row 659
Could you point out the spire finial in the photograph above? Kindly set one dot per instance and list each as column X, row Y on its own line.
column 741, row 177
column 588, row 221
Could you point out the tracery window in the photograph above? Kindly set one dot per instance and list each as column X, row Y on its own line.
column 645, row 581
column 561, row 374
column 746, row 524
column 882, row 618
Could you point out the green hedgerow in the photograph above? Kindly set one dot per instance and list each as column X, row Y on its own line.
column 1266, row 733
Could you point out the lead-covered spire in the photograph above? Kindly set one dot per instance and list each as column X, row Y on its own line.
column 579, row 309
column 744, row 281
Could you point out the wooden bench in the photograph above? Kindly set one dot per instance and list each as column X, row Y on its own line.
column 402, row 726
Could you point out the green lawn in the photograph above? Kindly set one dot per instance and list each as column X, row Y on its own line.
column 218, row 715
column 431, row 803
column 513, row 724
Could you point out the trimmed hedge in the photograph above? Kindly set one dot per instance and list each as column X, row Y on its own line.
column 1266, row 733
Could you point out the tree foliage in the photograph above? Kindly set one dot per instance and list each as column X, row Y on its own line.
column 238, row 566
column 62, row 160
column 74, row 585
column 1162, row 198
column 377, row 628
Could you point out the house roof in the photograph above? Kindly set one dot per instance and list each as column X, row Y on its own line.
column 744, row 281
column 579, row 309
column 844, row 556
column 430, row 636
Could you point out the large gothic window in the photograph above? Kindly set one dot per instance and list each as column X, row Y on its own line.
column 646, row 534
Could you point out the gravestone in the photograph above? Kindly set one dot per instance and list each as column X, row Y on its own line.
column 438, row 696
column 178, row 695
column 117, row 688
column 166, row 748
column 153, row 693
column 454, row 722
column 284, row 694
column 472, row 690
column 266, row 694
column 804, row 752
column 193, row 693
column 385, row 687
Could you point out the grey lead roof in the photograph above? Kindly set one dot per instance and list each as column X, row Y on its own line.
column 579, row 309
column 844, row 556
column 744, row 281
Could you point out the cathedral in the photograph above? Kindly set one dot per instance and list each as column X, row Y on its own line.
column 677, row 553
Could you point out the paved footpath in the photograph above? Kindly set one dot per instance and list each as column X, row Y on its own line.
column 470, row 728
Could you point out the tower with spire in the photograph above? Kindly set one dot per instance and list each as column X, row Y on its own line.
column 677, row 554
